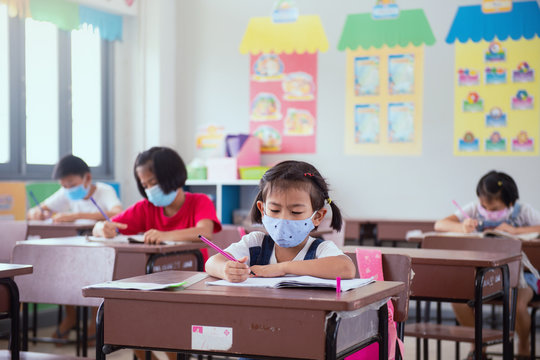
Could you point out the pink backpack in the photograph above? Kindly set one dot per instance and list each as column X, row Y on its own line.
column 370, row 265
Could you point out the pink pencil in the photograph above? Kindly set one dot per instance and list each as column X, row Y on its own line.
column 461, row 210
column 338, row 285
column 217, row 248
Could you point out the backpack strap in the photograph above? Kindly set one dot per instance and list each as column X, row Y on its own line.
column 260, row 255
column 312, row 251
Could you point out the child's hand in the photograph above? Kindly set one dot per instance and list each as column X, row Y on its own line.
column 109, row 228
column 37, row 214
column 64, row 217
column 154, row 236
column 236, row 271
column 507, row 228
column 469, row 225
column 269, row 270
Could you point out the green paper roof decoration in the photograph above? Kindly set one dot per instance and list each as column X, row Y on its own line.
column 361, row 30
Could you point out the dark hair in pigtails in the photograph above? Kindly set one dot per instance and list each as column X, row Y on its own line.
column 298, row 174
column 337, row 220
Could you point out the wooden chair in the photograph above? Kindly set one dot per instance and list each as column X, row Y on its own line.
column 395, row 268
column 12, row 231
column 60, row 272
column 437, row 331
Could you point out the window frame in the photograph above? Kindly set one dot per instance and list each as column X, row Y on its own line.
column 17, row 168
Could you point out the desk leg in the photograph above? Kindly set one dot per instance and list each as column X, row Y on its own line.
column 153, row 257
column 418, row 320
column 383, row 332
column 24, row 345
column 478, row 282
column 14, row 315
column 100, row 326
column 332, row 326
column 507, row 344
column 85, row 331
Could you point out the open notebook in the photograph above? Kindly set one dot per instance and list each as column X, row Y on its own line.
column 131, row 285
column 295, row 281
column 132, row 239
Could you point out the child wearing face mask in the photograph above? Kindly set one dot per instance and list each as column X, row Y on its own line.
column 72, row 200
column 291, row 203
column 167, row 212
column 498, row 208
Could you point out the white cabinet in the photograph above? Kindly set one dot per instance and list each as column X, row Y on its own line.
column 227, row 195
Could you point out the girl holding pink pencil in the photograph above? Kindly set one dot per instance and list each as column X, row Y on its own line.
column 498, row 208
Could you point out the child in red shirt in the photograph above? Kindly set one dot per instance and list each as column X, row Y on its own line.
column 167, row 212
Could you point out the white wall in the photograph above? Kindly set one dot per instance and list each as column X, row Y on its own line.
column 211, row 85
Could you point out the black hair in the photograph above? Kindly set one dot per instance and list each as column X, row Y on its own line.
column 498, row 186
column 298, row 174
column 166, row 165
column 70, row 165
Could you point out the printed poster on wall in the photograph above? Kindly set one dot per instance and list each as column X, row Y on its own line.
column 283, row 93
column 496, row 98
column 384, row 80
column 384, row 91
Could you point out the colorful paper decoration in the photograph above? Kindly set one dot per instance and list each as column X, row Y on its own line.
column 20, row 8
column 109, row 25
column 63, row 14
column 498, row 66
column 384, row 88
column 68, row 15
column 283, row 82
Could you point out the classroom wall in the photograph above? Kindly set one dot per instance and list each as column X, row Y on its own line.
column 211, row 86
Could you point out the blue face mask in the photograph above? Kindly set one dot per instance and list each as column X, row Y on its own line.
column 77, row 192
column 158, row 198
column 288, row 233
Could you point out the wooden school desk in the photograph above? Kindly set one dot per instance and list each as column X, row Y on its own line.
column 139, row 259
column 46, row 229
column 387, row 229
column 274, row 323
column 11, row 306
column 461, row 276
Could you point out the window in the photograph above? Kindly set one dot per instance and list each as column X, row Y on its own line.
column 61, row 107
column 41, row 50
column 4, row 85
column 86, row 98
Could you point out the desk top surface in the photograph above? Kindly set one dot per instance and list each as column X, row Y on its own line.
column 313, row 299
column 121, row 247
column 446, row 257
column 10, row 270
column 76, row 225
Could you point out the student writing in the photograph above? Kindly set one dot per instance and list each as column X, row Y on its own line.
column 290, row 204
column 498, row 208
column 167, row 212
column 72, row 200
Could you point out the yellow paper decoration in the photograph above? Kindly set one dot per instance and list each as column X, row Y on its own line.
column 20, row 8
column 304, row 35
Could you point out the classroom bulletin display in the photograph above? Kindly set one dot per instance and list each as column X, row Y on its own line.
column 283, row 82
column 384, row 82
column 496, row 111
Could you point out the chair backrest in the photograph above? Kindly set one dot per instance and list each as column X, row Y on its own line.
column 60, row 272
column 396, row 267
column 11, row 232
column 228, row 235
column 486, row 244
